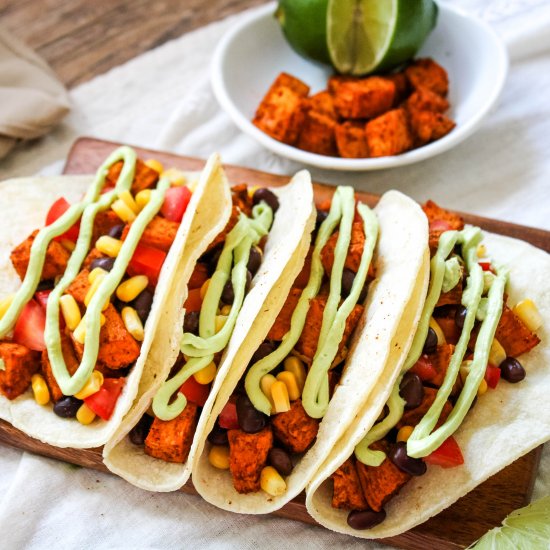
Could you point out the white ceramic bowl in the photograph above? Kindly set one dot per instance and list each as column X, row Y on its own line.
column 251, row 55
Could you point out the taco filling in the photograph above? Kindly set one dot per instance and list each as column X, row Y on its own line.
column 468, row 338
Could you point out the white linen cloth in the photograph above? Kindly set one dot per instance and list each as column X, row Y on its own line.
column 163, row 100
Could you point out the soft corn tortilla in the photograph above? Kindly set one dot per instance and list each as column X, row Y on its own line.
column 24, row 205
column 402, row 266
column 286, row 248
column 505, row 423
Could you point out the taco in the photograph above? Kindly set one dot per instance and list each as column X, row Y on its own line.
column 459, row 405
column 227, row 301
column 288, row 399
column 82, row 296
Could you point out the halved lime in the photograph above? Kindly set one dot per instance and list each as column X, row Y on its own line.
column 527, row 528
column 368, row 35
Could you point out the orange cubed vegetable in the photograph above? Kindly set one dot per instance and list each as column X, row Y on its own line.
column 514, row 335
column 199, row 276
column 79, row 287
column 413, row 416
column 453, row 297
column 94, row 254
column 351, row 140
column 355, row 250
column 104, row 222
column 20, row 363
column 347, row 493
column 144, row 177
column 317, row 134
column 159, row 233
column 402, row 86
column 423, row 99
column 322, row 103
column 428, row 74
column 294, row 428
column 428, row 126
column 440, row 220
column 282, row 323
column 364, row 98
column 389, row 134
column 440, row 362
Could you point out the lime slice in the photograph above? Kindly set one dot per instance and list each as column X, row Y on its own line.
column 527, row 528
column 368, row 35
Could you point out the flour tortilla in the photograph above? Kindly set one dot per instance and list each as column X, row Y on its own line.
column 505, row 423
column 24, row 206
column 284, row 255
column 401, row 261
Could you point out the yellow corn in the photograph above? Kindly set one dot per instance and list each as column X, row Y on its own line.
column 252, row 189
column 225, row 310
column 70, row 311
column 527, row 311
column 5, row 304
column 79, row 332
column 92, row 386
column 155, row 165
column 265, row 384
column 133, row 323
column 131, row 288
column 481, row 251
column 279, row 394
column 93, row 288
column 206, row 375
column 40, row 389
column 176, row 177
column 95, row 273
column 68, row 245
column 126, row 197
column 465, row 370
column 272, row 482
column 482, row 387
column 123, row 211
column 108, row 246
column 404, row 433
column 143, row 197
column 204, row 288
column 220, row 322
column 219, row 457
column 296, row 366
column 497, row 354
column 440, row 336
column 85, row 415
column 291, row 384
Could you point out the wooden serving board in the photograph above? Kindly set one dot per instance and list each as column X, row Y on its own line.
column 457, row 526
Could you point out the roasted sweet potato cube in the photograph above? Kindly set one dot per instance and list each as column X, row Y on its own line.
column 282, row 324
column 247, row 457
column 355, row 250
column 199, row 276
column 423, row 99
column 428, row 74
column 427, row 126
column 144, row 177
column 351, row 140
column 79, row 287
column 20, row 363
column 104, row 222
column 413, row 416
column 94, row 254
column 440, row 361
column 514, row 335
column 347, row 493
column 159, row 233
column 440, row 220
column 402, row 86
column 389, row 134
column 452, row 297
column 336, row 80
column 449, row 328
column 364, row 98
column 317, row 134
column 295, row 84
column 54, row 265
column 294, row 428
column 170, row 440
column 322, row 103
column 241, row 198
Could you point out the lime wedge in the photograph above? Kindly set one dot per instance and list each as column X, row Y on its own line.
column 526, row 528
column 373, row 35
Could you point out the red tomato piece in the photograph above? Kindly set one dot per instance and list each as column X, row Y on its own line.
column 195, row 392
column 147, row 261
column 228, row 417
column 41, row 297
column 57, row 209
column 175, row 203
column 448, row 455
column 424, row 369
column 104, row 401
column 486, row 266
column 440, row 225
column 194, row 300
column 29, row 329
column 107, row 189
column 492, row 376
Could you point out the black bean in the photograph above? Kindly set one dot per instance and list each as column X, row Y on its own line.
column 116, row 231
column 139, row 432
column 67, row 406
column 250, row 420
column 411, row 390
column 104, row 263
column 280, row 460
column 409, row 465
column 264, row 194
column 218, row 435
column 142, row 304
column 191, row 322
column 248, row 281
column 264, row 349
column 348, row 276
column 45, row 285
column 512, row 370
column 254, row 260
column 212, row 258
column 365, row 519
column 227, row 293
column 460, row 316
column 363, row 295
column 430, row 345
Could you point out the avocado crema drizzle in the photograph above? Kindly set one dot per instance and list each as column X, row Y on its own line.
column 315, row 397
column 201, row 349
column 422, row 441
column 87, row 209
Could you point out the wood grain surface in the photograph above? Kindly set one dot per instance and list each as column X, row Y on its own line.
column 454, row 528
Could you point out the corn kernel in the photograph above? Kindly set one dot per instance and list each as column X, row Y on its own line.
column 79, row 333
column 252, row 189
column 481, row 251
column 265, row 384
column 155, row 165
column 95, row 273
column 482, row 387
column 126, row 197
column 296, row 366
column 206, row 375
column 131, row 288
column 204, row 288
column 272, row 482
column 108, row 245
column 225, row 310
column 93, row 385
column 279, row 394
column 93, row 289
column 220, row 322
column 70, row 311
column 465, row 370
column 291, row 384
column 68, row 245
column 497, row 354
column 527, row 311
column 133, row 323
column 40, row 389
column 404, row 433
column 5, row 304
column 439, row 333
column 176, row 177
column 219, row 457
column 143, row 197
column 123, row 211
column 85, row 415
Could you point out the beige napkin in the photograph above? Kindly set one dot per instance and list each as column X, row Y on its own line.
column 32, row 100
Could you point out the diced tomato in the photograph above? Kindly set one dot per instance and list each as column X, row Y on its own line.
column 147, row 261
column 194, row 300
column 41, row 297
column 29, row 329
column 424, row 369
column 486, row 266
column 103, row 402
column 195, row 392
column 57, row 209
column 448, row 455
column 228, row 416
column 199, row 276
column 175, row 203
column 492, row 376
column 440, row 225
